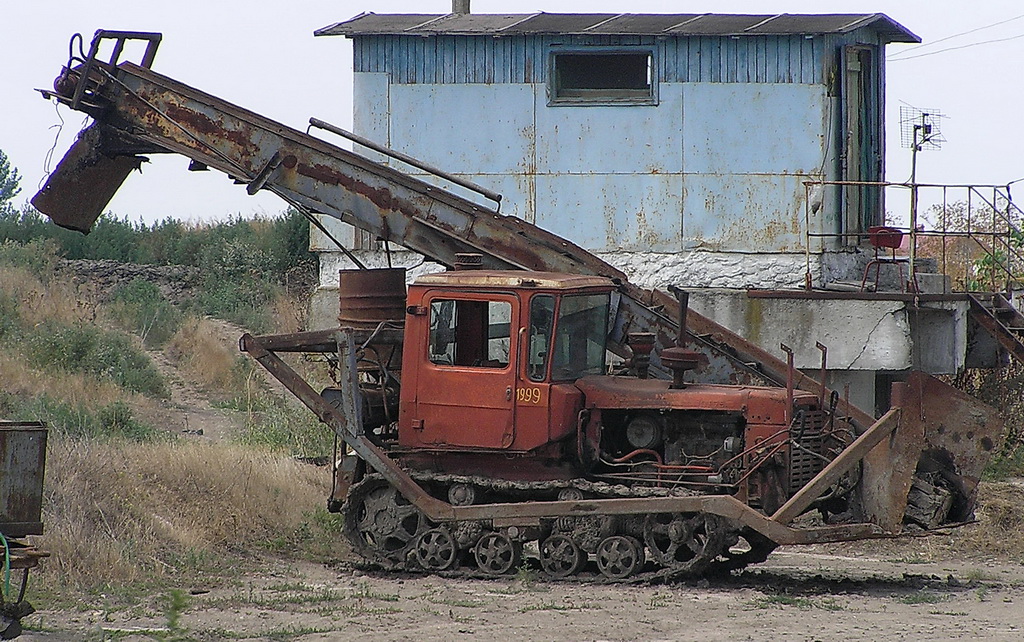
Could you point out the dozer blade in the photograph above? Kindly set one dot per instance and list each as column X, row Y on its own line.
column 944, row 436
column 86, row 179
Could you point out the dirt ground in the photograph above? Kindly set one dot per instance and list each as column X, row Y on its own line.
column 807, row 593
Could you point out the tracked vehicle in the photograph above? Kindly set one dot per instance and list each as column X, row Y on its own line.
column 481, row 411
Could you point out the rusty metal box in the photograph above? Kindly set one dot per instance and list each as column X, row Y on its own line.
column 22, row 463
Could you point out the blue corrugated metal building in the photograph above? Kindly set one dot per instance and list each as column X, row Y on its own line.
column 655, row 133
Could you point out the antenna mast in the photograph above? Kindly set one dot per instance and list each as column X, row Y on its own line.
column 919, row 130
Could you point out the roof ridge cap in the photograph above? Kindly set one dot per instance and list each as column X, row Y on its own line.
column 521, row 21
column 763, row 22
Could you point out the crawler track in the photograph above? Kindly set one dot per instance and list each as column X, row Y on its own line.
column 386, row 530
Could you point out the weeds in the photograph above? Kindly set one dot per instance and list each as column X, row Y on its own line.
column 364, row 592
column 921, row 597
column 551, row 606
column 177, row 601
column 526, row 576
column 282, row 428
column 802, row 603
column 111, row 421
column 122, row 513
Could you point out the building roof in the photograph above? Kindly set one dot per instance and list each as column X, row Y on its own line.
column 633, row 24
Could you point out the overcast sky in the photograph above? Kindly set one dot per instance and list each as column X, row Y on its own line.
column 262, row 55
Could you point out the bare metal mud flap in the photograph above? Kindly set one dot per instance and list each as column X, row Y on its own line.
column 86, row 179
column 946, row 437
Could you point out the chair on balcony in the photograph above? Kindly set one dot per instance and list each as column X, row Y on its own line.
column 884, row 237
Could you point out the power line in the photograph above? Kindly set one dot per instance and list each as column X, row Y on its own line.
column 973, row 44
column 956, row 35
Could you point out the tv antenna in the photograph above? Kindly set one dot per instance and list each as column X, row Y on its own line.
column 919, row 130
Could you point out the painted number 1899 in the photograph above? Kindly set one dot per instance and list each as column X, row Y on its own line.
column 528, row 395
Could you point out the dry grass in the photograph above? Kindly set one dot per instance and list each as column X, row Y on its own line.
column 73, row 388
column 121, row 513
column 58, row 301
column 288, row 313
column 1000, row 516
column 198, row 351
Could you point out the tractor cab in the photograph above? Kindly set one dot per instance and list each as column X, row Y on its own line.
column 491, row 357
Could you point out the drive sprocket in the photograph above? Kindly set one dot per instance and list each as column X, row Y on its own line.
column 380, row 523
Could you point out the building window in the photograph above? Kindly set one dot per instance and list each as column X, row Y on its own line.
column 603, row 78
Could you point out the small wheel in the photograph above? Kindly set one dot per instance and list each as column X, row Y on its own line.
column 560, row 556
column 496, row 554
column 684, row 542
column 619, row 557
column 435, row 550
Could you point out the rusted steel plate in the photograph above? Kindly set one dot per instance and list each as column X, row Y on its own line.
column 942, row 430
column 325, row 340
column 22, row 465
column 85, row 180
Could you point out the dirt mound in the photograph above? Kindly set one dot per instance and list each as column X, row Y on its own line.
column 176, row 282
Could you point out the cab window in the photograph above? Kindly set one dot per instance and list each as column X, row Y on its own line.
column 580, row 337
column 470, row 333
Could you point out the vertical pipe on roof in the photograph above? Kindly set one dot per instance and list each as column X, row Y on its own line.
column 460, row 6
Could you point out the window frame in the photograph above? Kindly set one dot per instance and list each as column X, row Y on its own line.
column 554, row 100
column 511, row 301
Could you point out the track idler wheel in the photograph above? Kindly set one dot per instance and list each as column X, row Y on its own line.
column 560, row 556
column 620, row 556
column 686, row 543
column 436, row 550
column 497, row 554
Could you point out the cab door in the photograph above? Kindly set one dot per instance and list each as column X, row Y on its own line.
column 466, row 388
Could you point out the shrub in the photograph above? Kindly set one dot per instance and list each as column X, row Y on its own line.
column 91, row 350
column 76, row 420
column 39, row 257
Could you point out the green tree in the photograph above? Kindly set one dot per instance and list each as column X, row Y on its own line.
column 9, row 184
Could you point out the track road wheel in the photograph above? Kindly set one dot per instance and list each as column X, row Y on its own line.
column 560, row 556
column 380, row 523
column 435, row 550
column 685, row 543
column 496, row 554
column 619, row 557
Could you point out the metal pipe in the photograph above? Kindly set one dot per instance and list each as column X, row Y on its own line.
column 460, row 6
column 824, row 365
column 790, row 382
column 405, row 158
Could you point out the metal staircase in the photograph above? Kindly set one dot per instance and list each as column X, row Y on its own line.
column 1002, row 320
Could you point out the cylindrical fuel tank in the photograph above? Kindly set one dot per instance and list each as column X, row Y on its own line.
column 368, row 297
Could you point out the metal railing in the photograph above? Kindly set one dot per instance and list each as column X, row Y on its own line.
column 975, row 233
